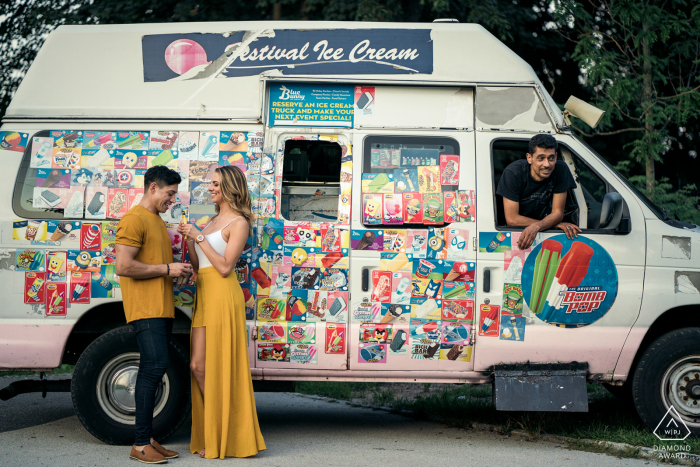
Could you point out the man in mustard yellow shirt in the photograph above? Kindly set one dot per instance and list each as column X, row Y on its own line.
column 146, row 270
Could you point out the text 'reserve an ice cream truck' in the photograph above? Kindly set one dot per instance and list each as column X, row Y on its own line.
column 380, row 248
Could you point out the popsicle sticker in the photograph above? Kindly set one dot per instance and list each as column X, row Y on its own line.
column 569, row 282
column 494, row 242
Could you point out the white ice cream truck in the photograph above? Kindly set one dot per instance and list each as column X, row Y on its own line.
column 381, row 251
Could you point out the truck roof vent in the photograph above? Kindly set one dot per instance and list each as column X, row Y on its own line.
column 446, row 20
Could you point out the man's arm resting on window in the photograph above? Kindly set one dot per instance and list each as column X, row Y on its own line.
column 127, row 266
column 532, row 226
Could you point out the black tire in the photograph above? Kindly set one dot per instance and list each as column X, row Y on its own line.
column 672, row 357
column 105, row 414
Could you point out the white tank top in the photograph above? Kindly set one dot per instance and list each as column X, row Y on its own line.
column 217, row 242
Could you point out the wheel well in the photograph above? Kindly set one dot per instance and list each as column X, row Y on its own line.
column 675, row 318
column 105, row 317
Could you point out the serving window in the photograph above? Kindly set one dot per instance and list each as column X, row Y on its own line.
column 411, row 181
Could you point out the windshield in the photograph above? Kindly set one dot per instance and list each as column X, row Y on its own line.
column 649, row 203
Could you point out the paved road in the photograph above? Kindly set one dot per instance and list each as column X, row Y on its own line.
column 298, row 431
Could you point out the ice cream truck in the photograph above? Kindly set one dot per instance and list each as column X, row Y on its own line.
column 380, row 249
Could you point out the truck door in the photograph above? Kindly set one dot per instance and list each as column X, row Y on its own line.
column 562, row 299
column 412, row 262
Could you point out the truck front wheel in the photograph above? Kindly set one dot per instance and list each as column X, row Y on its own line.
column 103, row 388
column 668, row 375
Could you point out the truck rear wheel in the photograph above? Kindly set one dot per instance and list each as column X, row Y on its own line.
column 103, row 388
column 668, row 375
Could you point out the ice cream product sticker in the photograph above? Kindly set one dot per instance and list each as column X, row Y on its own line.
column 494, row 242
column 569, row 282
column 489, row 318
column 34, row 287
column 273, row 353
column 56, row 266
column 301, row 333
column 56, row 299
column 335, row 338
column 273, row 331
column 371, row 353
column 512, row 328
column 303, row 354
column 80, row 283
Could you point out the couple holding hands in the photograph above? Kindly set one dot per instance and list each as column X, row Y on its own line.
column 224, row 418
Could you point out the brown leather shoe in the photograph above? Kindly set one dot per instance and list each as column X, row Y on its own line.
column 167, row 453
column 148, row 455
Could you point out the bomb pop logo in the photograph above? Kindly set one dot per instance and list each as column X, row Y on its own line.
column 569, row 283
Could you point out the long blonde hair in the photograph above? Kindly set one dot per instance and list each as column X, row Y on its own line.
column 234, row 189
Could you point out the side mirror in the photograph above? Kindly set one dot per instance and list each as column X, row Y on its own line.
column 611, row 211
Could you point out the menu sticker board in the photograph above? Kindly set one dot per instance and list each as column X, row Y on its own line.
column 297, row 104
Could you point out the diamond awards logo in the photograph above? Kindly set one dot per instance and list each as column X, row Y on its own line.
column 672, row 427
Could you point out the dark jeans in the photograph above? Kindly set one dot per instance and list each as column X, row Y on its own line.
column 152, row 336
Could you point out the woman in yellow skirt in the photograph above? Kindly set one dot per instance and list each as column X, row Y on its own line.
column 224, row 418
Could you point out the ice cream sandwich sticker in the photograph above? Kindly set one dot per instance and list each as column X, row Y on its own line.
column 303, row 354
column 512, row 328
column 273, row 353
column 80, row 284
column 55, row 299
column 56, row 266
column 489, row 319
column 30, row 260
column 399, row 344
column 569, row 283
column 494, row 242
column 371, row 353
column 34, row 287
column 364, row 100
column 271, row 308
column 425, row 339
column 335, row 338
column 189, row 145
column 369, row 240
column 426, row 308
column 67, row 138
column 273, row 331
column 335, row 307
column 305, row 278
column 456, row 352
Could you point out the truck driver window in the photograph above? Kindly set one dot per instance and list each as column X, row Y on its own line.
column 538, row 195
column 410, row 181
column 311, row 180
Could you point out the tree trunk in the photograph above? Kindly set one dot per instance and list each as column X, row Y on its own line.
column 646, row 103
column 276, row 11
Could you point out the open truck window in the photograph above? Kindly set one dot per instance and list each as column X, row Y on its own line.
column 592, row 187
column 409, row 181
column 311, row 180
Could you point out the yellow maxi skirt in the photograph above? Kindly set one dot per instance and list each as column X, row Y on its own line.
column 227, row 425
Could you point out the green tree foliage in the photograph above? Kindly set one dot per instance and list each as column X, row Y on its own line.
column 641, row 61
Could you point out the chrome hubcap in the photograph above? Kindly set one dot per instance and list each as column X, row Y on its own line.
column 681, row 388
column 116, row 388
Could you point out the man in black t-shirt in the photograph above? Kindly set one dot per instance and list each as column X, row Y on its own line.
column 529, row 187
